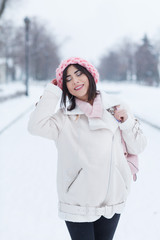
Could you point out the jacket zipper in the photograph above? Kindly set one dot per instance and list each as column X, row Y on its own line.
column 74, row 179
column 110, row 168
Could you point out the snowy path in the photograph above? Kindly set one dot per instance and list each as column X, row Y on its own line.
column 28, row 202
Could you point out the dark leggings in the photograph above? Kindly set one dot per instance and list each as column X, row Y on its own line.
column 101, row 229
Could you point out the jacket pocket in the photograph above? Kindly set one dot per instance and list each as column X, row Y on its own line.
column 74, row 179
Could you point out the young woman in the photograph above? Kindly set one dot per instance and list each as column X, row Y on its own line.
column 93, row 176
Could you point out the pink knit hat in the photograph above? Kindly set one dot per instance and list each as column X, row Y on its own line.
column 74, row 60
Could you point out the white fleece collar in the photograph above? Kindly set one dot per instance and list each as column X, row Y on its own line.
column 107, row 121
column 108, row 101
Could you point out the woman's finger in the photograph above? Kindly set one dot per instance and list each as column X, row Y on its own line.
column 54, row 81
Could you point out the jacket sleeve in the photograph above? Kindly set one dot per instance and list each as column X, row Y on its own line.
column 43, row 120
column 133, row 134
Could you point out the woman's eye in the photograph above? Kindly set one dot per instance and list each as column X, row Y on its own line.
column 68, row 79
column 79, row 73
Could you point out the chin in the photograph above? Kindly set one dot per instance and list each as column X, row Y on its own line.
column 81, row 95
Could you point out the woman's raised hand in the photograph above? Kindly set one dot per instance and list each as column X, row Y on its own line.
column 120, row 114
column 54, row 81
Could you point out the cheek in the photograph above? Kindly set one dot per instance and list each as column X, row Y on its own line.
column 87, row 83
column 69, row 86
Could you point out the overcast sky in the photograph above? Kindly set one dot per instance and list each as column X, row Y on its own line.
column 89, row 28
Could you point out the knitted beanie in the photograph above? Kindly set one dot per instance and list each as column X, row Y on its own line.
column 75, row 60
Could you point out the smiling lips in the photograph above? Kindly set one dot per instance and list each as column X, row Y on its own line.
column 78, row 87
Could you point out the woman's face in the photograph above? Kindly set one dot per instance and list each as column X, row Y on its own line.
column 77, row 83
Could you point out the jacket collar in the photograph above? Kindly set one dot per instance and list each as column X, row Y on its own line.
column 107, row 121
column 108, row 101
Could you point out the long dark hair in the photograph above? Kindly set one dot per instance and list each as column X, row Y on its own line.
column 92, row 91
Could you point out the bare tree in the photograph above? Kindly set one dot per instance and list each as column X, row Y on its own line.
column 109, row 66
column 7, row 35
column 129, row 59
column 43, row 51
column 43, row 57
column 127, row 51
column 3, row 4
column 118, row 64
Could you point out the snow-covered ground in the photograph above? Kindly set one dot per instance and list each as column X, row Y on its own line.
column 28, row 202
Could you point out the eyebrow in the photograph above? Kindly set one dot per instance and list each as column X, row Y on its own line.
column 74, row 73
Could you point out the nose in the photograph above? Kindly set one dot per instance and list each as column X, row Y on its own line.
column 75, row 80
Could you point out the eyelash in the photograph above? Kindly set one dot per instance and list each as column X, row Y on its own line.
column 68, row 80
column 79, row 73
